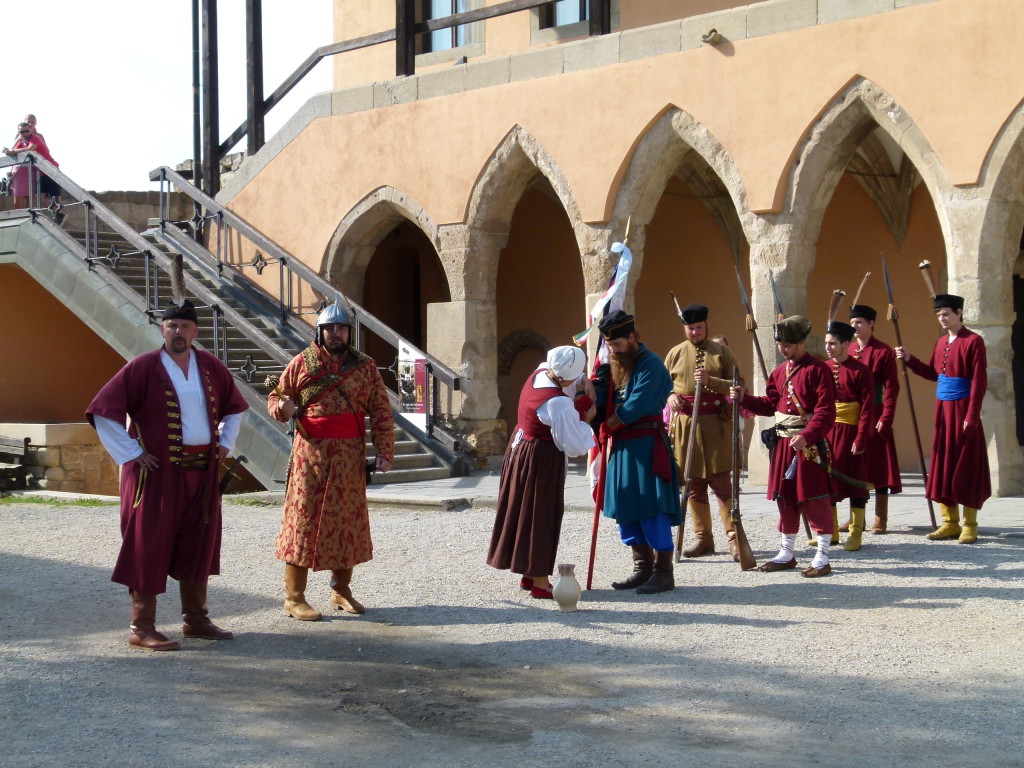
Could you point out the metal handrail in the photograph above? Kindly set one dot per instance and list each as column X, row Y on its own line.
column 224, row 215
column 97, row 211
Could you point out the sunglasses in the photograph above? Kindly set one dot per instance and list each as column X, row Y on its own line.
column 25, row 130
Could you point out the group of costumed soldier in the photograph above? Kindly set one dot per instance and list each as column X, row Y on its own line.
column 832, row 439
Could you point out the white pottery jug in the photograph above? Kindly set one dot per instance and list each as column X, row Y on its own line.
column 567, row 590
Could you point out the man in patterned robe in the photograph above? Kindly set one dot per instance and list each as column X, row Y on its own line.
column 880, row 452
column 959, row 472
column 329, row 389
column 712, row 364
column 185, row 413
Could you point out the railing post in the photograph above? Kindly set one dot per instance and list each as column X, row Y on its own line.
column 405, row 38
column 32, row 191
column 600, row 17
column 429, row 400
column 283, row 275
column 254, row 74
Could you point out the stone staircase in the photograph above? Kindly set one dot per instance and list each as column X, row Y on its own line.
column 246, row 360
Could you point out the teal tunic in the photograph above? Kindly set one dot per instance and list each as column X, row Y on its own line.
column 632, row 491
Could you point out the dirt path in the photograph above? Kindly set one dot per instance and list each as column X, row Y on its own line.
column 911, row 654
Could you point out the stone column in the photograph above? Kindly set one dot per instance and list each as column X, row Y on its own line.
column 981, row 261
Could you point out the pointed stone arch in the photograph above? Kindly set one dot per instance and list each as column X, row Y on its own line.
column 516, row 162
column 830, row 144
column 363, row 228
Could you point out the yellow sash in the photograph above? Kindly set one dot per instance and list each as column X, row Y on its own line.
column 848, row 413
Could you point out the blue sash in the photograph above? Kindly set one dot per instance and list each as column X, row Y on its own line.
column 953, row 387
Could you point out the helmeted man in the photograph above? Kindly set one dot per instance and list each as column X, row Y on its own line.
column 958, row 472
column 329, row 388
column 851, row 432
column 642, row 485
column 555, row 407
column 701, row 359
column 883, row 466
column 185, row 413
column 800, row 394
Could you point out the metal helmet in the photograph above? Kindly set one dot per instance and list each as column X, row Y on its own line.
column 330, row 315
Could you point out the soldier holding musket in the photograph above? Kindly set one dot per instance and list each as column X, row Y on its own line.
column 701, row 360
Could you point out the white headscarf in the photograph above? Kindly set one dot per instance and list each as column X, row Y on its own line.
column 567, row 363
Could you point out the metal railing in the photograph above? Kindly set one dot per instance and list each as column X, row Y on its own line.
column 292, row 276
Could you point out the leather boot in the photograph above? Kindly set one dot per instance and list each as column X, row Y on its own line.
column 143, row 626
column 661, row 580
column 881, row 524
column 724, row 509
column 195, row 616
column 295, row 604
column 643, row 567
column 853, row 540
column 969, row 534
column 705, row 544
column 835, row 529
column 950, row 528
column 341, row 594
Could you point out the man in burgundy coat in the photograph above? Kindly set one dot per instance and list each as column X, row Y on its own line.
column 959, row 467
column 185, row 413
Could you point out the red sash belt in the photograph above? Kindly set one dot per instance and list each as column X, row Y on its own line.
column 708, row 405
column 334, row 426
column 652, row 426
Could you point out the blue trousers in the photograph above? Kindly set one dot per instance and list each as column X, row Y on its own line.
column 655, row 531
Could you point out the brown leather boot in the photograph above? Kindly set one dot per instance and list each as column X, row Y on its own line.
column 662, row 579
column 143, row 626
column 295, row 604
column 705, row 544
column 724, row 510
column 881, row 514
column 195, row 616
column 341, row 594
column 643, row 567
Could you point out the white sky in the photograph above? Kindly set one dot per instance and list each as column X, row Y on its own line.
column 111, row 80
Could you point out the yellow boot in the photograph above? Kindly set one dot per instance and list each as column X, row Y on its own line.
column 835, row 529
column 856, row 529
column 705, row 544
column 950, row 528
column 969, row 534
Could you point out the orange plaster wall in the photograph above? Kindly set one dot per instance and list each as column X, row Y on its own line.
column 54, row 367
column 758, row 98
column 853, row 235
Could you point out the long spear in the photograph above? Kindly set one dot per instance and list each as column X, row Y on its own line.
column 893, row 316
column 751, row 322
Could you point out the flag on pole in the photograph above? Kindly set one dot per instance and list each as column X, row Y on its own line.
column 613, row 297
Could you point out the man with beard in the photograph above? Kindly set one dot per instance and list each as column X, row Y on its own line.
column 329, row 388
column 851, row 431
column 699, row 359
column 958, row 471
column 642, row 486
column 883, row 467
column 801, row 395
column 185, row 413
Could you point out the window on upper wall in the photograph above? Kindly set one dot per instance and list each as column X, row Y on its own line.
column 564, row 12
column 453, row 37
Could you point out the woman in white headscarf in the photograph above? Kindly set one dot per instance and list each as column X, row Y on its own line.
column 555, row 408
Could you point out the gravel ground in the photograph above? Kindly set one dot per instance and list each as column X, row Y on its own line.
column 910, row 654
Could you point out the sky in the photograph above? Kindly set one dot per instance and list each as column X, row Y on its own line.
column 110, row 81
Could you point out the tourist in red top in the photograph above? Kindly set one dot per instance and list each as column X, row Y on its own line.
column 959, row 471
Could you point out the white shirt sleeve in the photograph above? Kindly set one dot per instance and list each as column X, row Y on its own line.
column 571, row 435
column 229, row 428
column 115, row 438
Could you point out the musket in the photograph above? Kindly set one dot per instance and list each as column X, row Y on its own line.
column 751, row 322
column 893, row 316
column 599, row 492
column 694, row 422
column 747, row 561
column 833, row 307
column 860, row 290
